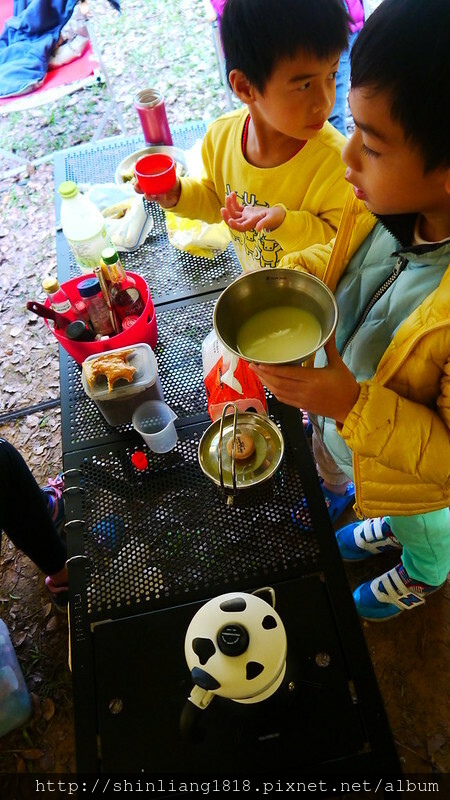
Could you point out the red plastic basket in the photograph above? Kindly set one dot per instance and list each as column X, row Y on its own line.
column 143, row 330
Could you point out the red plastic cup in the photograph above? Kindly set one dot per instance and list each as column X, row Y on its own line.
column 156, row 173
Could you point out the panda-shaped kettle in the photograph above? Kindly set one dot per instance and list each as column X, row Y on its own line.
column 236, row 647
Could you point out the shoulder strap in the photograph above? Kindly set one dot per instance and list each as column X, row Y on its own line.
column 342, row 240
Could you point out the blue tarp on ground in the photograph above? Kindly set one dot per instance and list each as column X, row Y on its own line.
column 27, row 42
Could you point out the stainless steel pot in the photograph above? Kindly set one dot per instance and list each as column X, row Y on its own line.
column 267, row 288
column 239, row 451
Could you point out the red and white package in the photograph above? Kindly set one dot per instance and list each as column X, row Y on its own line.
column 228, row 379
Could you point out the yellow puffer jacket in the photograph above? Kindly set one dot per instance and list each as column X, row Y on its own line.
column 399, row 429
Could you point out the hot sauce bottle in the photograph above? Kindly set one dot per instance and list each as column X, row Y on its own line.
column 125, row 296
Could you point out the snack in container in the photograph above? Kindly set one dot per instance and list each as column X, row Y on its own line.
column 114, row 366
column 120, row 380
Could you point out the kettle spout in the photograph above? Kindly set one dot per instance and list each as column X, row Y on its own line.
column 200, row 698
column 204, row 680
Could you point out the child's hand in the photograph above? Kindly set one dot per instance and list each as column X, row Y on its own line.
column 247, row 218
column 329, row 391
column 166, row 200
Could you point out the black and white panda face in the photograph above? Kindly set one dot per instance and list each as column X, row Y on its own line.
column 236, row 647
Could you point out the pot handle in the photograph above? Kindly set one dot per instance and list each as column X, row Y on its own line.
column 219, row 445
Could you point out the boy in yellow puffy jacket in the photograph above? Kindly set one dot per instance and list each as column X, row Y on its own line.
column 379, row 394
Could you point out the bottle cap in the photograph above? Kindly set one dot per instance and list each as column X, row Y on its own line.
column 68, row 189
column 139, row 460
column 89, row 287
column 50, row 284
column 109, row 255
column 129, row 321
column 78, row 331
column 80, row 307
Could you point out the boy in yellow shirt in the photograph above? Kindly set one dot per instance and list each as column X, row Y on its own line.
column 273, row 169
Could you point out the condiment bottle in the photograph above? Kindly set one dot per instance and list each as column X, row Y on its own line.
column 58, row 298
column 79, row 331
column 125, row 295
column 83, row 226
column 111, row 265
column 81, row 310
column 97, row 309
column 104, row 284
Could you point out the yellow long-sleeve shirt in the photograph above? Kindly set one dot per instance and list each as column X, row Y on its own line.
column 310, row 186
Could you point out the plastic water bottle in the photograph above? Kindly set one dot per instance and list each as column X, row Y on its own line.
column 15, row 702
column 83, row 226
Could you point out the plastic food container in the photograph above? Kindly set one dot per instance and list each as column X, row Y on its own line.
column 119, row 405
column 143, row 330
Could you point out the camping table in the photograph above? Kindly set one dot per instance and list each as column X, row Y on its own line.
column 173, row 543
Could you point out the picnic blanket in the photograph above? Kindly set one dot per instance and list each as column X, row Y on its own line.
column 28, row 40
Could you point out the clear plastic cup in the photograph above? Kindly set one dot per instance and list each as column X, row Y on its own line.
column 153, row 420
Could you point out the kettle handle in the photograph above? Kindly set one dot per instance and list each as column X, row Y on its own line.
column 266, row 590
column 200, row 698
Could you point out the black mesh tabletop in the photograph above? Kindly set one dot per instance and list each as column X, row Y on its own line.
column 146, row 548
column 169, row 272
column 166, row 534
column 182, row 326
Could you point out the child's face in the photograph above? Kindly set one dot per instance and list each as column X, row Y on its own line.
column 387, row 171
column 299, row 96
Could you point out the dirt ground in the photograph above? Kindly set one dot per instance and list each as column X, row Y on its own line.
column 410, row 654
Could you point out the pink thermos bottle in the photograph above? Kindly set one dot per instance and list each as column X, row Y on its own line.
column 149, row 104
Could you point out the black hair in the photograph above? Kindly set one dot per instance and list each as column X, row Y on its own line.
column 257, row 34
column 404, row 50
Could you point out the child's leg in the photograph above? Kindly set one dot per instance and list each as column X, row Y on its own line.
column 423, row 569
column 338, row 116
column 332, row 475
column 24, row 516
column 337, row 489
column 426, row 545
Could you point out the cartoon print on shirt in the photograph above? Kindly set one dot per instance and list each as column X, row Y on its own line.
column 254, row 248
column 250, row 242
column 266, row 251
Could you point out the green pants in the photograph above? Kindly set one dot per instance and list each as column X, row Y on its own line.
column 426, row 545
column 425, row 537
